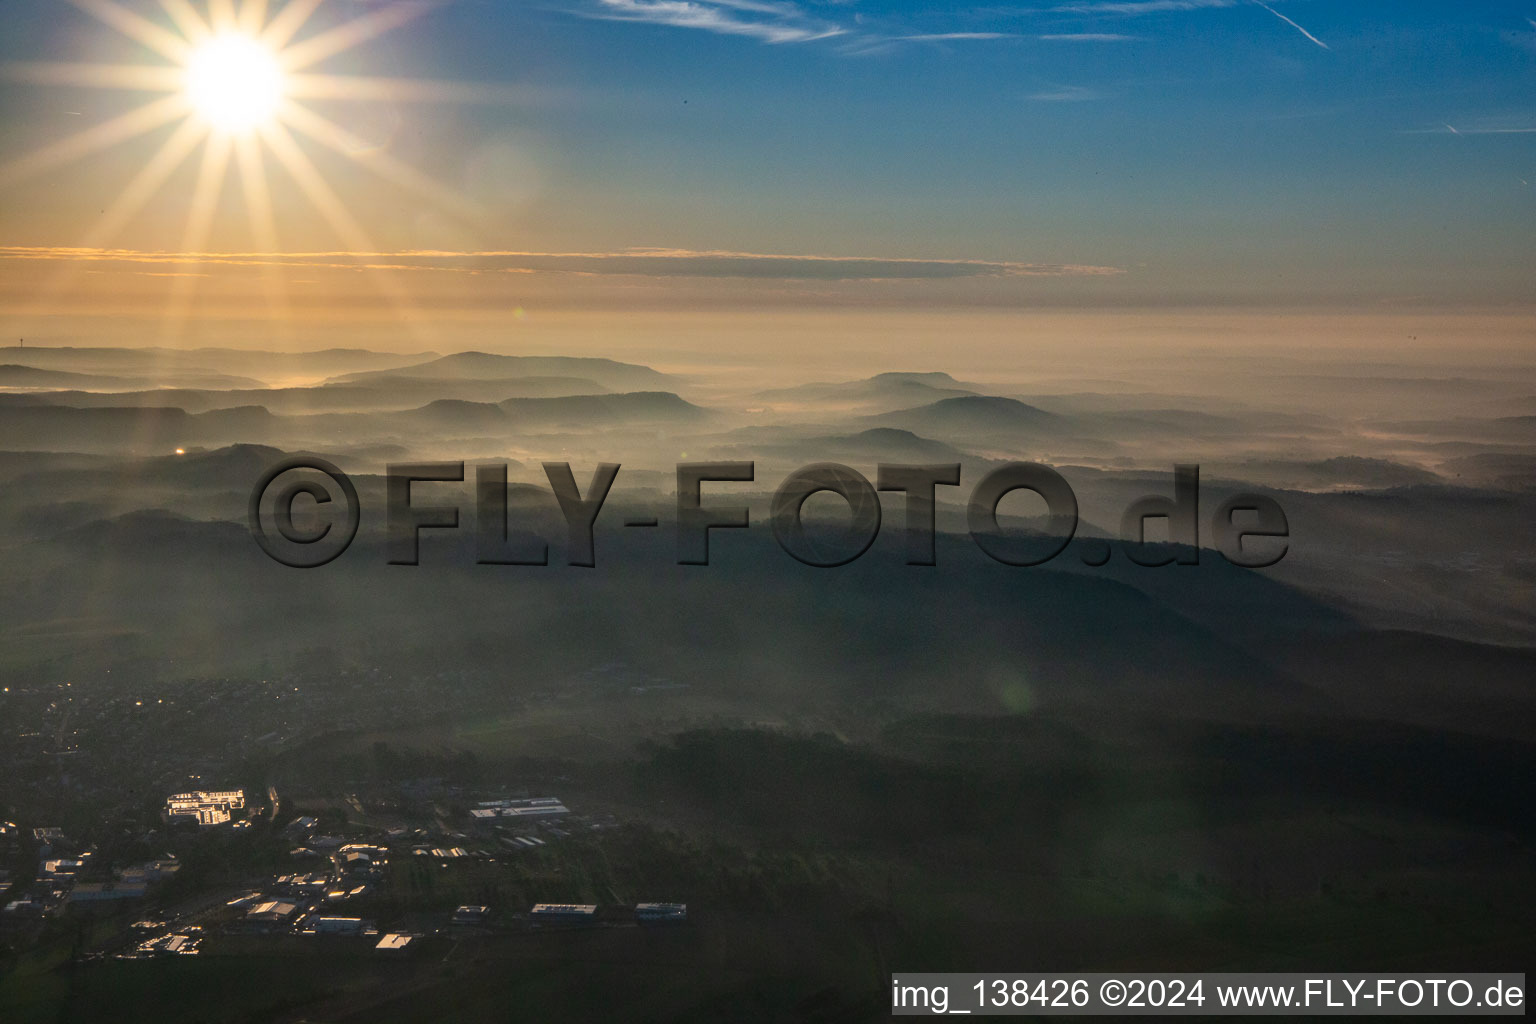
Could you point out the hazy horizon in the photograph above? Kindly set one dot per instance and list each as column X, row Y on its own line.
column 1117, row 422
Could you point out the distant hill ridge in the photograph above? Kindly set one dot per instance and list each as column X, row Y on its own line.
column 609, row 373
column 572, row 410
column 973, row 414
column 887, row 389
column 173, row 365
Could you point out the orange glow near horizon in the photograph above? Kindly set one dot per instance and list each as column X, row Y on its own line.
column 230, row 74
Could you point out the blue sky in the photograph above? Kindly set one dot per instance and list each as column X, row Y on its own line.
column 1206, row 150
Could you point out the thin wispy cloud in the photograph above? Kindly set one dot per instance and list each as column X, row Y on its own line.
column 782, row 21
column 871, row 44
column 630, row 262
column 765, row 20
column 1481, row 126
column 954, row 37
column 1291, row 23
column 1086, row 37
column 1066, row 94
column 1131, row 8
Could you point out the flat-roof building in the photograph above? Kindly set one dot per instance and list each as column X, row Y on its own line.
column 532, row 801
column 661, row 913
column 151, row 871
column 533, row 809
column 273, row 912
column 354, row 860
column 180, row 945
column 204, row 807
column 62, row 867
column 470, row 915
column 564, row 913
column 338, row 925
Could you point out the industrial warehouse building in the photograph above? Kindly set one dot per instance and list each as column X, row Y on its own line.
column 506, row 811
column 204, row 807
column 339, row 926
column 563, row 913
column 273, row 912
column 470, row 915
column 661, row 913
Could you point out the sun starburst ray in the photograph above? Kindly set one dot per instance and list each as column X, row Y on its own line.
column 188, row 21
column 205, row 194
column 359, row 151
column 282, row 28
column 205, row 198
column 170, row 155
column 222, row 16
column 317, row 86
column 359, row 30
column 312, row 183
column 138, row 28
column 146, row 183
column 330, row 207
column 253, row 14
column 234, row 73
column 131, row 125
column 126, row 77
column 258, row 208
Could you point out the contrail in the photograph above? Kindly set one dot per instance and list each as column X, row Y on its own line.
column 1291, row 23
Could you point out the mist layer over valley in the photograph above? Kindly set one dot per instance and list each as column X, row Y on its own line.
column 1196, row 751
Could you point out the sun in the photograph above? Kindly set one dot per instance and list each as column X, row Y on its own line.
column 237, row 79
column 234, row 82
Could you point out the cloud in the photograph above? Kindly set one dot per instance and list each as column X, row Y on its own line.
column 1087, row 37
column 766, row 20
column 1482, row 126
column 1131, row 8
column 1135, row 7
column 671, row 263
column 946, row 37
column 781, row 21
column 1291, row 23
column 872, row 45
column 1066, row 94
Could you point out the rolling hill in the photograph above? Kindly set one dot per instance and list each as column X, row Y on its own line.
column 976, row 416
column 485, row 366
